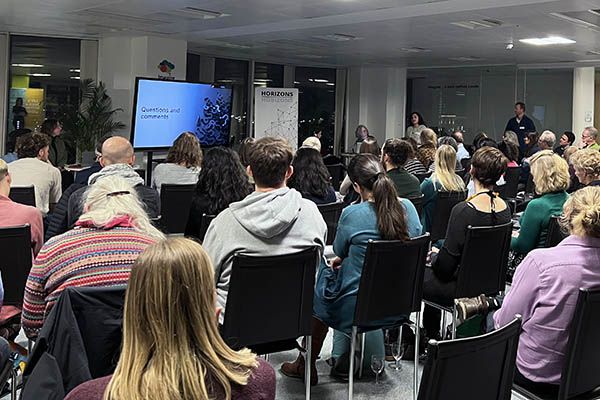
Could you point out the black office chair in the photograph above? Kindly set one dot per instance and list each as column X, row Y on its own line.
column 337, row 175
column 483, row 265
column 23, row 195
column 475, row 368
column 422, row 177
column 15, row 264
column 391, row 288
column 466, row 164
column 510, row 188
column 270, row 303
column 555, row 235
column 204, row 224
column 418, row 203
column 331, row 214
column 530, row 186
column 579, row 377
column 441, row 214
column 175, row 204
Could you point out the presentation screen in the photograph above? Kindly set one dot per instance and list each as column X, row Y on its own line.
column 164, row 109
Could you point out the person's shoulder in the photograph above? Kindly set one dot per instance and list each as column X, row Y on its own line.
column 261, row 384
column 90, row 390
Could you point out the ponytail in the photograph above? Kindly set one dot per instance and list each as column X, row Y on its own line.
column 391, row 217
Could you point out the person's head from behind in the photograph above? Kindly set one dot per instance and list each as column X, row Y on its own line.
column 312, row 142
column 396, row 152
column 547, row 140
column 448, row 140
column 569, row 152
column 487, row 142
column 172, row 347
column 112, row 199
column 311, row 176
column 270, row 163
column 487, row 166
column 185, row 151
column 458, row 136
column 445, row 164
column 509, row 149
column 586, row 163
column 480, row 136
column 510, row 136
column 566, row 139
column 370, row 146
column 415, row 146
column 361, row 132
column 581, row 213
column 550, row 172
column 589, row 136
column 428, row 138
column 519, row 109
column 117, row 150
column 33, row 145
column 51, row 127
column 244, row 150
column 416, row 119
column 222, row 179
column 531, row 139
column 370, row 181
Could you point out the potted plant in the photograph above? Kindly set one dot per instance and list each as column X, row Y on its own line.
column 94, row 118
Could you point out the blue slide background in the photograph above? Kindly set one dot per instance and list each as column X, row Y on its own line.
column 203, row 110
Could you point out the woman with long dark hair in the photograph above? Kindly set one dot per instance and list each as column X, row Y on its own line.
column 311, row 177
column 221, row 182
column 379, row 215
column 416, row 125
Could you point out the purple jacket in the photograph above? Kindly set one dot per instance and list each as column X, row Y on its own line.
column 544, row 292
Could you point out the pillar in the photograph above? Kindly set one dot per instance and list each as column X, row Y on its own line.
column 583, row 99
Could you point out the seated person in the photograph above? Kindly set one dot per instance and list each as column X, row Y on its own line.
column 551, row 179
column 413, row 165
column 426, row 151
column 11, row 144
column 82, row 176
column 450, row 141
column 586, row 163
column 444, row 179
column 311, row 177
column 222, row 181
column 273, row 220
column 33, row 167
column 117, row 160
column 172, row 347
column 58, row 153
column 394, row 155
column 461, row 151
column 99, row 251
column 367, row 146
column 484, row 208
column 566, row 139
column 182, row 165
column 358, row 224
column 544, row 292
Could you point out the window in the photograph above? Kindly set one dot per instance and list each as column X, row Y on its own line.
column 268, row 75
column 234, row 74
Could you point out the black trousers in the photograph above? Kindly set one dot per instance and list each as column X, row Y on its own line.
column 539, row 388
column 440, row 292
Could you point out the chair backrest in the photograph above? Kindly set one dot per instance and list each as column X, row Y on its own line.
column 555, row 235
column 443, row 207
column 422, row 177
column 530, row 186
column 337, row 175
column 391, row 283
column 15, row 263
column 510, row 188
column 270, row 298
column 418, row 203
column 23, row 195
column 484, row 260
column 488, row 361
column 580, row 371
column 175, row 203
column 466, row 163
column 331, row 214
column 204, row 224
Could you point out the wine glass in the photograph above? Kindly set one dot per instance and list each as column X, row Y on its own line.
column 398, row 351
column 377, row 365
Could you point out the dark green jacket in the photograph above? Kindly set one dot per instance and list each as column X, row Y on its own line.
column 406, row 183
column 58, row 151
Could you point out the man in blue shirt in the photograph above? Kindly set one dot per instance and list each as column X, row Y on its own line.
column 521, row 124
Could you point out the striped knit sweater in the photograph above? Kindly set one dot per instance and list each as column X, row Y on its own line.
column 80, row 257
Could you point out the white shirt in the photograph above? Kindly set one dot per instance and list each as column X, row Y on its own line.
column 461, row 152
column 45, row 179
column 415, row 133
column 168, row 173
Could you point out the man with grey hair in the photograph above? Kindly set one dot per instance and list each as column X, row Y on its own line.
column 547, row 140
column 589, row 138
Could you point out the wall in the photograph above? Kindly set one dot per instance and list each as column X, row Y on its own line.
column 4, row 59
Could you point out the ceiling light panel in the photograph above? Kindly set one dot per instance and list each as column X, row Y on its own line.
column 546, row 41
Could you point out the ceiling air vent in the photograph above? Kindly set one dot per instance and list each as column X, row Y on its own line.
column 486, row 23
column 337, row 37
column 465, row 58
column 201, row 13
column 415, row 49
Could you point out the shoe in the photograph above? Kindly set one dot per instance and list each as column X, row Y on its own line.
column 468, row 307
column 296, row 370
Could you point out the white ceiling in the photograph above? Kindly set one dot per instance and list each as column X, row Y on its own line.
column 296, row 31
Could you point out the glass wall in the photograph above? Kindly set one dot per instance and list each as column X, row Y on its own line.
column 316, row 108
column 44, row 81
column 268, row 75
column 234, row 74
column 482, row 99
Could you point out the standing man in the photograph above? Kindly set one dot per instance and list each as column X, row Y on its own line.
column 589, row 138
column 520, row 124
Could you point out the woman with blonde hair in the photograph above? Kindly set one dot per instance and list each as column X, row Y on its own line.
column 586, row 163
column 182, row 165
column 444, row 179
column 551, row 179
column 172, row 348
column 113, row 230
column 426, row 151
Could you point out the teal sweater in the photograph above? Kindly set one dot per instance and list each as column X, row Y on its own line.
column 534, row 221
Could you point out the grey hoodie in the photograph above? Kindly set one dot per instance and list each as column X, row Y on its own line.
column 274, row 223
